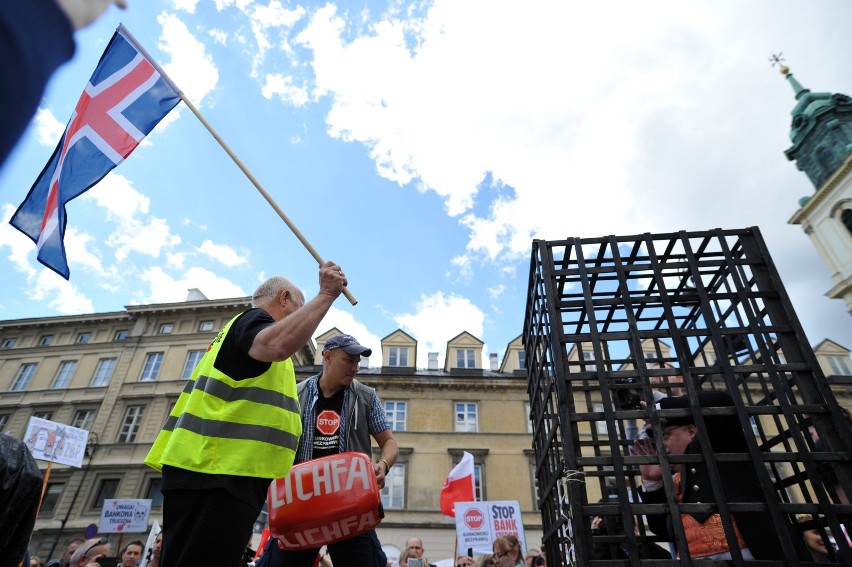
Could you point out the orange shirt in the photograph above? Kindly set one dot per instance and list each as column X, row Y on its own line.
column 707, row 538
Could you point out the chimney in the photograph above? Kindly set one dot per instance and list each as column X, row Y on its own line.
column 433, row 361
column 195, row 294
column 493, row 358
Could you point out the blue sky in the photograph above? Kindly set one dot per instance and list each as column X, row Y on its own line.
column 423, row 145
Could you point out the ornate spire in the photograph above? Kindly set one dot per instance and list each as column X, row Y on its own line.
column 821, row 128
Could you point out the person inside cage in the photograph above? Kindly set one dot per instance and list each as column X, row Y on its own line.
column 755, row 533
column 818, row 546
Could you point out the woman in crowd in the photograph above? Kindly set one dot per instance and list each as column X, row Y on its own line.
column 507, row 552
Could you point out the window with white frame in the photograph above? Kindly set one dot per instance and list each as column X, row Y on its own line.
column 43, row 414
column 522, row 359
column 466, row 417
column 193, row 357
column 478, row 485
column 130, row 424
column 4, row 419
column 465, row 358
column 397, row 356
column 393, row 494
column 84, row 338
column 103, row 372
column 45, row 340
column 527, row 414
column 205, row 326
column 22, row 379
column 84, row 419
column 396, row 413
column 9, row 343
column 167, row 328
column 840, row 365
column 64, row 374
column 120, row 335
column 153, row 361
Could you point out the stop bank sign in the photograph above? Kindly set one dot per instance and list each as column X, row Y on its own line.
column 474, row 519
column 327, row 422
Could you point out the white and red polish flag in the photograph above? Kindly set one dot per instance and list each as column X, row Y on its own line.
column 459, row 486
column 126, row 97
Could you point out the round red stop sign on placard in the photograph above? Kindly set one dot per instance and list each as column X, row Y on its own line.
column 327, row 422
column 474, row 519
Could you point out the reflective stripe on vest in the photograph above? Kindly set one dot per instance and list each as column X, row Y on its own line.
column 219, row 425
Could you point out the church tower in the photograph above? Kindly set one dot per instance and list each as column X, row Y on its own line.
column 821, row 131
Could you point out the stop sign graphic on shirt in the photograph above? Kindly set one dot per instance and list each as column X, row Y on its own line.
column 328, row 422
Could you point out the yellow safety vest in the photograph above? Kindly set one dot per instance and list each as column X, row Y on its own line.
column 219, row 425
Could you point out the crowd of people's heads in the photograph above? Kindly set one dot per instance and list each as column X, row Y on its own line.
column 507, row 552
column 80, row 553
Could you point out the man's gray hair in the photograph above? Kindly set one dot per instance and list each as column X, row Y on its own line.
column 272, row 287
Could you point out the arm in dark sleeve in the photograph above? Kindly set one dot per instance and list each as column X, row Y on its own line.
column 35, row 39
column 659, row 524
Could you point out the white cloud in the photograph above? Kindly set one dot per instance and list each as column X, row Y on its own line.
column 186, row 5
column 271, row 25
column 48, row 129
column 219, row 36
column 193, row 223
column 223, row 254
column 19, row 245
column 464, row 265
column 135, row 232
column 43, row 285
column 176, row 260
column 347, row 323
column 190, row 68
column 437, row 319
column 164, row 288
column 60, row 294
column 513, row 108
column 496, row 292
column 283, row 87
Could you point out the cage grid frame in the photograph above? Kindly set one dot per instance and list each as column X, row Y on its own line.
column 713, row 309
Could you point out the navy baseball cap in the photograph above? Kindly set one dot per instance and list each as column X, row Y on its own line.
column 348, row 344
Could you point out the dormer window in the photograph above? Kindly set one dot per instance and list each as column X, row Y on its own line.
column 397, row 356
column 465, row 358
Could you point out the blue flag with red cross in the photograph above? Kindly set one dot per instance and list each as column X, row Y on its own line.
column 126, row 97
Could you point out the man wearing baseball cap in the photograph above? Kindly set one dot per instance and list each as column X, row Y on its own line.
column 350, row 413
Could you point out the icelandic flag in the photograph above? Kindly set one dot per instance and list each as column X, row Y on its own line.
column 126, row 97
column 459, row 486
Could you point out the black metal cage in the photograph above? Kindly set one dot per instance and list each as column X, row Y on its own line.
column 612, row 321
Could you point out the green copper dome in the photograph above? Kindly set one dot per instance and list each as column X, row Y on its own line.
column 821, row 131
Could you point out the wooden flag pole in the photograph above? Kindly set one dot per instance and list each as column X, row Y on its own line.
column 263, row 192
column 234, row 157
column 44, row 486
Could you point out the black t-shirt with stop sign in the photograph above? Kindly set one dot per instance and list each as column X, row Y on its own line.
column 327, row 426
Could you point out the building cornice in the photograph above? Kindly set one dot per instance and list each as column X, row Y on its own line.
column 91, row 318
column 822, row 193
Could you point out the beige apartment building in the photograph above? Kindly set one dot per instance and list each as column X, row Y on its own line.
column 118, row 374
